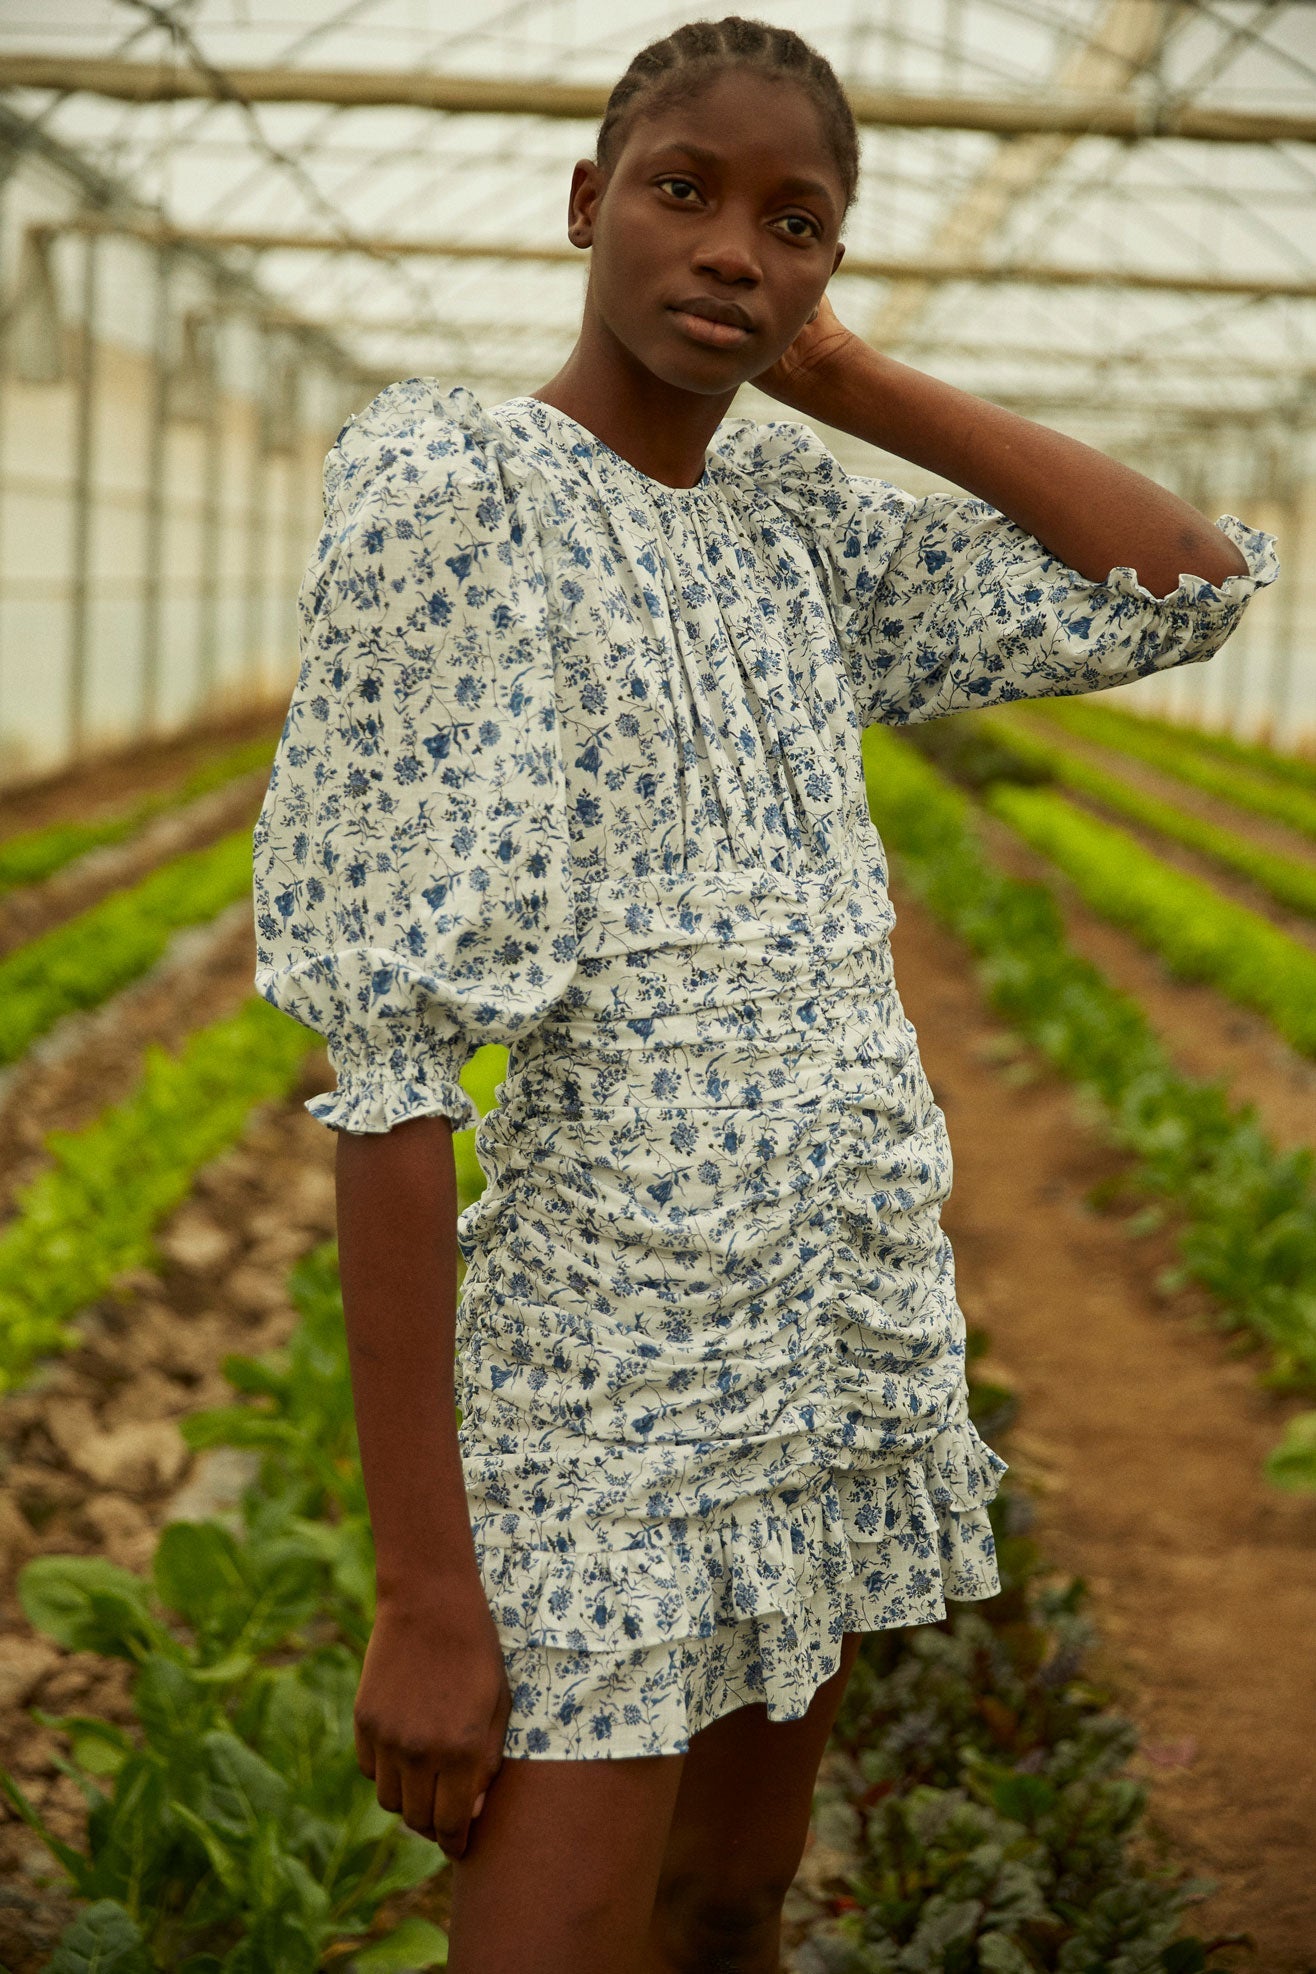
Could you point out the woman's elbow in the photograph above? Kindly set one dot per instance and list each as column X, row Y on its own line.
column 1205, row 552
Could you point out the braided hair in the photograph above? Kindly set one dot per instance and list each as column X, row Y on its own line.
column 674, row 70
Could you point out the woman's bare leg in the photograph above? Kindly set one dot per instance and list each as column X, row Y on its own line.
column 737, row 1835
column 561, row 1869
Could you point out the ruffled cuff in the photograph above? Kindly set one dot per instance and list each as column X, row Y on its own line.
column 1258, row 549
column 388, row 1088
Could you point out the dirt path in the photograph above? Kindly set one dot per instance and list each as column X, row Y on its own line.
column 94, row 1057
column 1231, row 884
column 1265, row 831
column 1144, row 1434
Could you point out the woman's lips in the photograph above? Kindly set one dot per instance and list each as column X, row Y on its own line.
column 720, row 335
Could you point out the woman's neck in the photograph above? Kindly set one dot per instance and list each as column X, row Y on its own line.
column 660, row 428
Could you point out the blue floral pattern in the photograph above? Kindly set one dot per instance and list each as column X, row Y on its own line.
column 572, row 763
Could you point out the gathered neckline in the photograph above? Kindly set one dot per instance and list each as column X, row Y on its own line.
column 701, row 486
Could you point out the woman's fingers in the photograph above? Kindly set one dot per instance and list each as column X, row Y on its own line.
column 419, row 1775
column 388, row 1782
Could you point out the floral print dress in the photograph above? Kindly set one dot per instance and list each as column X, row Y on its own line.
column 572, row 763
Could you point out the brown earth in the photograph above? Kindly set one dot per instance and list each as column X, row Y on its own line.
column 106, row 783
column 1265, row 831
column 1231, row 884
column 93, row 1058
column 92, row 1463
column 1144, row 1435
column 31, row 909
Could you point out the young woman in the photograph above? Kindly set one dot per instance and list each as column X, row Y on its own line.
column 573, row 764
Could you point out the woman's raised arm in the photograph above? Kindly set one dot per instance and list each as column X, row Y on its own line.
column 1091, row 511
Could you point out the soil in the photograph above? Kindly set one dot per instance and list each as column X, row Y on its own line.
column 1265, row 831
column 1143, row 1435
column 31, row 909
column 106, row 783
column 93, row 1058
column 147, row 1358
column 1240, row 890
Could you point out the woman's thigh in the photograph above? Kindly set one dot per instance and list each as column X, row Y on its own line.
column 742, row 1812
column 562, row 1867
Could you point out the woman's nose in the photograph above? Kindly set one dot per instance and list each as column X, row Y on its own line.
column 727, row 258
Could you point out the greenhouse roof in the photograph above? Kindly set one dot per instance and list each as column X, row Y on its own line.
column 1097, row 211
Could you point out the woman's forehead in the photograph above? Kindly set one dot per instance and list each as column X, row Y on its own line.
column 791, row 143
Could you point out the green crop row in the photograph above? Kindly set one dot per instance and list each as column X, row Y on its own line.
column 230, row 1830
column 1248, row 1233
column 1200, row 934
column 39, row 853
column 92, row 1211
column 81, row 963
column 1289, row 880
column 1162, row 747
column 1299, row 769
column 233, row 1832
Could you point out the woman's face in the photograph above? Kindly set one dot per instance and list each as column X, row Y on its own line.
column 734, row 199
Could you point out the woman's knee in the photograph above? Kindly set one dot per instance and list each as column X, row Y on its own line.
column 707, row 1926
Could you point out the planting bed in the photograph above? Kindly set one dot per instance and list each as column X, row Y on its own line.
column 1144, row 1436
column 1139, row 1450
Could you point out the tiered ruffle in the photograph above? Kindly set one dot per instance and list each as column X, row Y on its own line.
column 630, row 1651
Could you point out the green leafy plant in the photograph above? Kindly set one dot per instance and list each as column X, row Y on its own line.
column 1266, row 792
column 1300, row 769
column 35, row 854
column 1248, row 1231
column 1288, row 880
column 81, row 963
column 1198, row 933
column 995, row 1818
column 92, row 1211
column 232, row 1832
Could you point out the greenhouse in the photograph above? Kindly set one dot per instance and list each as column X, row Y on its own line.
column 287, row 291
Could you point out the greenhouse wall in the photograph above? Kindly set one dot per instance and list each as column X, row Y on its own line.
column 161, row 440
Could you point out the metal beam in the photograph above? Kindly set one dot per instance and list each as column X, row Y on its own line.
column 540, row 338
column 1078, row 113
column 1116, row 47
column 1023, row 273
column 122, row 213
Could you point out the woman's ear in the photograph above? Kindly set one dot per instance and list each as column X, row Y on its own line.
column 584, row 196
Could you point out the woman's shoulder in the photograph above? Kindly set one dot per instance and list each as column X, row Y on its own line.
column 419, row 437
column 787, row 462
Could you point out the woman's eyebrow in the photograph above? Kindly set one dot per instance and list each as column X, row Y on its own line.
column 703, row 156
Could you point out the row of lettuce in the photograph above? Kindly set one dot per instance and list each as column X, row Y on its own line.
column 32, row 855
column 1245, row 1210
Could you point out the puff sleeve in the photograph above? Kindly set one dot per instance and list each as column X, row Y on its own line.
column 942, row 602
column 412, row 877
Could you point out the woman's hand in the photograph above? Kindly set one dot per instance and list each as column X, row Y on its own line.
column 821, row 342
column 431, row 1712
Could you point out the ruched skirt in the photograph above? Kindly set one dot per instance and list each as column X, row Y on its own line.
column 710, row 1357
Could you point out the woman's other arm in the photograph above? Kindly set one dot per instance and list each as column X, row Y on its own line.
column 433, row 1702
column 1091, row 511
